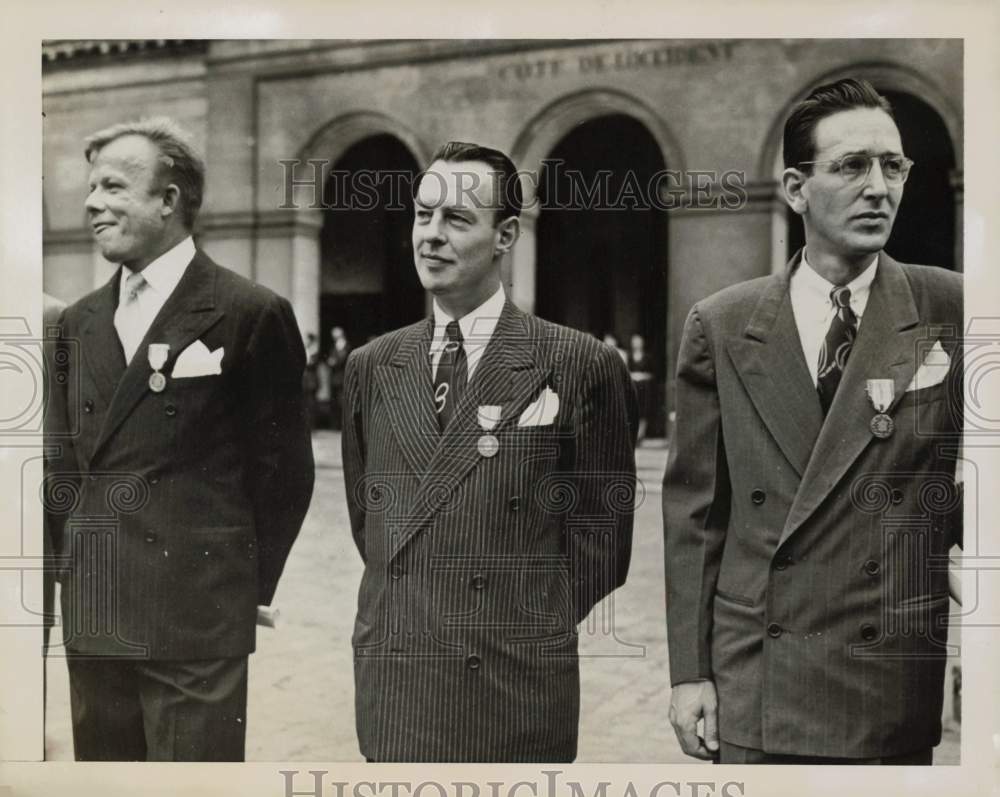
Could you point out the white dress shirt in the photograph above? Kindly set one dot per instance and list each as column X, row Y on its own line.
column 477, row 329
column 162, row 276
column 814, row 309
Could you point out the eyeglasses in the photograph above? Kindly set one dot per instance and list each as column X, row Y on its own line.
column 855, row 167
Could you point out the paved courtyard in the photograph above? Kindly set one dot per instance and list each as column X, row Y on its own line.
column 301, row 703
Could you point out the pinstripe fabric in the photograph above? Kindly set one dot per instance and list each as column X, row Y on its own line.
column 180, row 507
column 801, row 556
column 477, row 569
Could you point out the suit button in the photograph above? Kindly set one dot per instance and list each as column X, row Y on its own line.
column 472, row 662
column 150, row 537
column 782, row 562
column 758, row 496
column 514, row 502
column 896, row 496
column 478, row 581
column 774, row 630
column 396, row 572
column 869, row 632
column 872, row 567
column 88, row 406
column 171, row 410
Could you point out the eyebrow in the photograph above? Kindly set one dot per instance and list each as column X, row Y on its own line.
column 866, row 152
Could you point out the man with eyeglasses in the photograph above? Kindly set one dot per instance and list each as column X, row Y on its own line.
column 809, row 499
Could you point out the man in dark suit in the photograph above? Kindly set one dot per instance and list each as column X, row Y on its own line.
column 52, row 309
column 809, row 498
column 185, row 467
column 488, row 459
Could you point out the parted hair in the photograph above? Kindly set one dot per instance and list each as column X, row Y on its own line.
column 799, row 143
column 506, row 183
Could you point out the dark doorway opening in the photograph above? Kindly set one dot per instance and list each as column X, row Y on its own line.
column 368, row 284
column 602, row 245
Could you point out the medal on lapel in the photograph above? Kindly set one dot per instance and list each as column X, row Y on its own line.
column 489, row 417
column 157, row 354
column 880, row 394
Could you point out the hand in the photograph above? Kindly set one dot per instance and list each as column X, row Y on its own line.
column 691, row 703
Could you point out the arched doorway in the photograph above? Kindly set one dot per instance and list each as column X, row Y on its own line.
column 368, row 284
column 602, row 263
column 925, row 229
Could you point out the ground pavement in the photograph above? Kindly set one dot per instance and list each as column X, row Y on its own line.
column 301, row 692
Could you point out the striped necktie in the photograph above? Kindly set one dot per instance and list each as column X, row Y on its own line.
column 451, row 376
column 836, row 347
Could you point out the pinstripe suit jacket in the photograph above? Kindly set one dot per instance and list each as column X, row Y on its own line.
column 477, row 569
column 180, row 506
column 805, row 559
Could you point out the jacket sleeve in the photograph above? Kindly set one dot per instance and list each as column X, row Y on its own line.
column 281, row 460
column 352, row 443
column 604, row 472
column 696, row 496
column 62, row 471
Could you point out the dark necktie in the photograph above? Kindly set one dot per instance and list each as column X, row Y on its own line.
column 836, row 347
column 451, row 376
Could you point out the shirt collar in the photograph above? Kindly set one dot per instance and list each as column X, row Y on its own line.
column 163, row 274
column 476, row 326
column 819, row 288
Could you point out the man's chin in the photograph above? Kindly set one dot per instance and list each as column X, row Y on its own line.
column 861, row 245
column 111, row 255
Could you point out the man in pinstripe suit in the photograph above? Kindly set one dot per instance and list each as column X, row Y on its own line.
column 488, row 458
column 809, row 498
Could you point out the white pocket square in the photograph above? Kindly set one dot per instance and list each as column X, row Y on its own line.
column 197, row 360
column 542, row 411
column 932, row 370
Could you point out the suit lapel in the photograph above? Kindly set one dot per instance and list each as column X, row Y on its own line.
column 772, row 368
column 886, row 348
column 102, row 348
column 507, row 375
column 406, row 387
column 188, row 312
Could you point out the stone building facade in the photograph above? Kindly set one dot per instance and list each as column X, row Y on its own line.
column 281, row 122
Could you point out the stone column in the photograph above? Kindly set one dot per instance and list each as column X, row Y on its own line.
column 714, row 242
column 287, row 261
column 226, row 222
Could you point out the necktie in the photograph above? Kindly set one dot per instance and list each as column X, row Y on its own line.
column 836, row 347
column 128, row 316
column 451, row 376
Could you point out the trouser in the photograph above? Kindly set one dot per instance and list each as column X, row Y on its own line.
column 129, row 710
column 734, row 754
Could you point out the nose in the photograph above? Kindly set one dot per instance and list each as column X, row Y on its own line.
column 94, row 203
column 432, row 230
column 875, row 184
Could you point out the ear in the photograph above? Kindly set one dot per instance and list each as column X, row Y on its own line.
column 171, row 200
column 508, row 231
column 793, row 185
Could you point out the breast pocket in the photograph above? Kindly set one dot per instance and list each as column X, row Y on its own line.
column 926, row 395
column 187, row 383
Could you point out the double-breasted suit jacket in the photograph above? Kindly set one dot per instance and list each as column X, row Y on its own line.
column 180, row 506
column 478, row 566
column 806, row 560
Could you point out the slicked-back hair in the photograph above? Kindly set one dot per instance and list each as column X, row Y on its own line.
column 799, row 143
column 506, row 184
column 180, row 161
